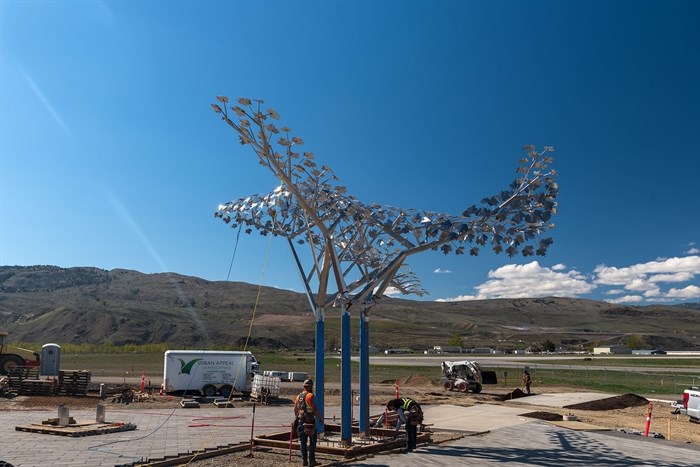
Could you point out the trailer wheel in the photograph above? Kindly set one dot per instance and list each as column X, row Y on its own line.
column 448, row 386
column 462, row 386
column 209, row 390
column 477, row 388
column 225, row 390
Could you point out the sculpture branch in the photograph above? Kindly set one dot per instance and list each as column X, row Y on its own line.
column 370, row 239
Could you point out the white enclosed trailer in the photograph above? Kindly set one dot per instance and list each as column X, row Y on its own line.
column 297, row 376
column 209, row 372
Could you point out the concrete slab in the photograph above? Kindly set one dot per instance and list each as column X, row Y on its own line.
column 576, row 425
column 560, row 400
column 477, row 418
column 542, row 444
column 159, row 434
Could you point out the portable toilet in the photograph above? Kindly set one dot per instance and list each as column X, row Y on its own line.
column 50, row 359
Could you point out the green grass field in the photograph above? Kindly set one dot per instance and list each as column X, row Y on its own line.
column 584, row 375
column 621, row 361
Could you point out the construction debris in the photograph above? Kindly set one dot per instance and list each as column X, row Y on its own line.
column 5, row 390
column 189, row 404
column 223, row 403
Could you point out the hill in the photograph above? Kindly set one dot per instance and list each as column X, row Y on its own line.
column 42, row 304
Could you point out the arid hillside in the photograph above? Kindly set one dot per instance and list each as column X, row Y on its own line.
column 41, row 304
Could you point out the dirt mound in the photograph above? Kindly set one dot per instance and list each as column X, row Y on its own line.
column 618, row 402
column 548, row 416
column 514, row 394
column 417, row 380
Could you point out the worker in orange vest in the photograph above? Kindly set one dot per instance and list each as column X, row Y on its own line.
column 306, row 412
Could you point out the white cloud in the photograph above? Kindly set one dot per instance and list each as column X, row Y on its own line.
column 577, row 275
column 622, row 276
column 644, row 280
column 528, row 281
column 651, row 293
column 647, row 277
column 614, row 292
column 627, row 299
column 442, row 271
column 693, row 251
column 692, row 292
column 391, row 292
column 640, row 285
column 459, row 298
column 677, row 277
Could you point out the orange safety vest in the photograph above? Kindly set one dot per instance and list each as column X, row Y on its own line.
column 306, row 397
column 305, row 412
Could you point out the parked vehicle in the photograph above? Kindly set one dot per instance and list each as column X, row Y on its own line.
column 690, row 404
column 208, row 372
column 11, row 356
column 282, row 375
column 297, row 376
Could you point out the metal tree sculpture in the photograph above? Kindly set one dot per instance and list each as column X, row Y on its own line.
column 365, row 246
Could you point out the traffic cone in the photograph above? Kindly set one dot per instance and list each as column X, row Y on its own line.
column 648, row 421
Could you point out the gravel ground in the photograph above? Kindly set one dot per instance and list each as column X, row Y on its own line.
column 263, row 458
column 267, row 457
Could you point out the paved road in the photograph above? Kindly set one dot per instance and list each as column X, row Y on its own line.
column 544, row 361
column 540, row 444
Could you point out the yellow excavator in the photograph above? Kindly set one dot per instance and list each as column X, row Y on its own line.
column 11, row 356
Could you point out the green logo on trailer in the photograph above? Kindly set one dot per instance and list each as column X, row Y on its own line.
column 185, row 368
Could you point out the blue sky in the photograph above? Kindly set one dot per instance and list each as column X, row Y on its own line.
column 110, row 155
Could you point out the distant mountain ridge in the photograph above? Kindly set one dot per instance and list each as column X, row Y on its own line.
column 90, row 305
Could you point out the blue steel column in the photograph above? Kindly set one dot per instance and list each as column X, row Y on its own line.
column 345, row 380
column 364, row 373
column 320, row 366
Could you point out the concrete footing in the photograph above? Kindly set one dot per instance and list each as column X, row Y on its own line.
column 379, row 440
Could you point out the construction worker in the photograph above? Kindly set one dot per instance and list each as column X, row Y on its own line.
column 410, row 413
column 527, row 381
column 306, row 413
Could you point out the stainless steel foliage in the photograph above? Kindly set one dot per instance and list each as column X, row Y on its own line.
column 368, row 243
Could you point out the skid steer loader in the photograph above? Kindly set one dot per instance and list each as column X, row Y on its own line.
column 464, row 376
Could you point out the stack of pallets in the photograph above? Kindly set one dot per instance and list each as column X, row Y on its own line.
column 73, row 382
column 37, row 387
column 19, row 374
